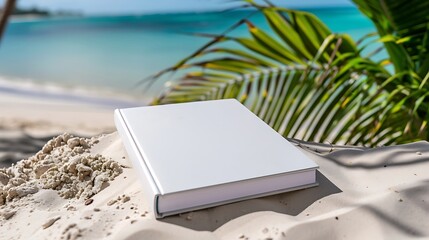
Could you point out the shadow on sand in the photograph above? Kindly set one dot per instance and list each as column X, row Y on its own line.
column 291, row 203
column 17, row 146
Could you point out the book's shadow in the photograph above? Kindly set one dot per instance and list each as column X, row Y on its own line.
column 291, row 203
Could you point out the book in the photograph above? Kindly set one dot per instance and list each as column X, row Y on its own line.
column 197, row 155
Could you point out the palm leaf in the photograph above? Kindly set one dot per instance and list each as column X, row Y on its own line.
column 403, row 26
column 305, row 82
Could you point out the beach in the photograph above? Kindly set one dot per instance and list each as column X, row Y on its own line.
column 327, row 72
column 33, row 114
column 362, row 194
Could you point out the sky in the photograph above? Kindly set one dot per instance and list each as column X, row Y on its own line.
column 95, row 7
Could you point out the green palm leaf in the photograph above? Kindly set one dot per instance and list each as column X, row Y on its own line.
column 403, row 26
column 309, row 83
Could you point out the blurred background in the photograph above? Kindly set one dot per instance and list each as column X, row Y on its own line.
column 110, row 45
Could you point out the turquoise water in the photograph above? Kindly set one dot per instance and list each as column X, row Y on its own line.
column 118, row 51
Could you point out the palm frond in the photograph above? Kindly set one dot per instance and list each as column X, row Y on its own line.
column 403, row 26
column 305, row 82
column 303, row 102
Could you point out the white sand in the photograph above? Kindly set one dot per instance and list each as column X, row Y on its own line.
column 44, row 116
column 363, row 194
column 27, row 123
column 64, row 164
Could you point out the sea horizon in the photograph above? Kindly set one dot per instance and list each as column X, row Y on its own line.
column 83, row 15
column 115, row 52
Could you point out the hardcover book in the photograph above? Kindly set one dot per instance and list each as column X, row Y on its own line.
column 196, row 155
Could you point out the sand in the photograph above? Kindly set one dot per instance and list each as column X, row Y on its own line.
column 363, row 194
column 41, row 116
column 63, row 164
column 28, row 122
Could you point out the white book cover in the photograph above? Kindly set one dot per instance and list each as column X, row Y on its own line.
column 196, row 155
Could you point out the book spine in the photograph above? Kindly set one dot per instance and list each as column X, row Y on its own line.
column 150, row 189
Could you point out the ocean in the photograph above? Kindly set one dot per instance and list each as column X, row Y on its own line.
column 115, row 52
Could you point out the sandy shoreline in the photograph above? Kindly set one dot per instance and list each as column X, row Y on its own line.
column 363, row 193
column 103, row 97
column 31, row 114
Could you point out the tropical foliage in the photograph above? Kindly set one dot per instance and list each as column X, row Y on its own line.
column 312, row 84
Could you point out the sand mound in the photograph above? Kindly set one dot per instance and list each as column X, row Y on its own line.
column 64, row 164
